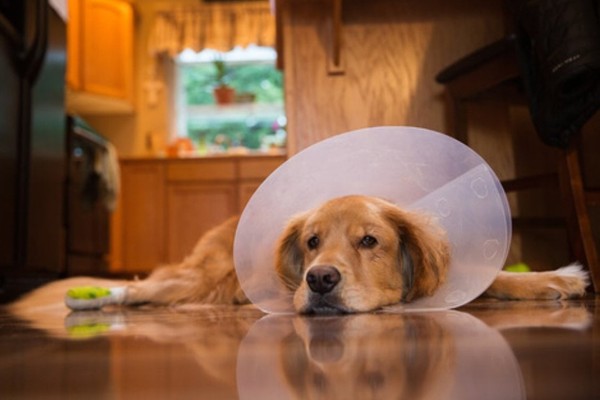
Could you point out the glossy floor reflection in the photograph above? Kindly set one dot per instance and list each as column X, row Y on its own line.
column 487, row 350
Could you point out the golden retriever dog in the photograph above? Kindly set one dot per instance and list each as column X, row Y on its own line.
column 351, row 254
column 359, row 253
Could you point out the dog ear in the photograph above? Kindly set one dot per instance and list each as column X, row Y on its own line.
column 289, row 256
column 424, row 253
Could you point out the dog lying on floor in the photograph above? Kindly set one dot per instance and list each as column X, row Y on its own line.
column 351, row 254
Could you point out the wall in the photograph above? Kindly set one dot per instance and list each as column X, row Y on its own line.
column 391, row 50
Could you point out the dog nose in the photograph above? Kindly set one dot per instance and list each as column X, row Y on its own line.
column 322, row 278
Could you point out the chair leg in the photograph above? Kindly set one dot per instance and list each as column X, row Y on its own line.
column 578, row 221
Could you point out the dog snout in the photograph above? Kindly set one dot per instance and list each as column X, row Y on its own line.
column 322, row 278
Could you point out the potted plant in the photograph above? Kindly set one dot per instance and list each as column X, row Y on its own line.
column 224, row 94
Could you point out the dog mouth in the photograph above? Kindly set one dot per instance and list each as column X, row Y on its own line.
column 320, row 305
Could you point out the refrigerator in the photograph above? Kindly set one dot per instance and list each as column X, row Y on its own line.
column 32, row 144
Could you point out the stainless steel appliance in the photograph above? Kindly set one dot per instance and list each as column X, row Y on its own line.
column 32, row 145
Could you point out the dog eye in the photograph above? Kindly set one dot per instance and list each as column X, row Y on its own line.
column 368, row 241
column 313, row 242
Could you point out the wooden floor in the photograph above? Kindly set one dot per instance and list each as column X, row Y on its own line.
column 487, row 350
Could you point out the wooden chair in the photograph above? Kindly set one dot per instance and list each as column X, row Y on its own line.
column 494, row 70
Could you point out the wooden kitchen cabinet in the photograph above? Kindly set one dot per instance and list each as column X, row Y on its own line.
column 167, row 204
column 252, row 173
column 200, row 194
column 192, row 209
column 246, row 190
column 142, row 213
column 100, row 56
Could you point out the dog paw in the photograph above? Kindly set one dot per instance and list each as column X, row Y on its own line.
column 567, row 282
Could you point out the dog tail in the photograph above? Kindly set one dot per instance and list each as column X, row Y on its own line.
column 563, row 283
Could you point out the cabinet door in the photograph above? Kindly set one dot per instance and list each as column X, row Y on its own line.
column 247, row 189
column 252, row 173
column 74, row 55
column 106, row 48
column 192, row 209
column 143, row 216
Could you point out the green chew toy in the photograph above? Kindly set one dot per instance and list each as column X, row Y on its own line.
column 518, row 267
column 94, row 297
column 88, row 292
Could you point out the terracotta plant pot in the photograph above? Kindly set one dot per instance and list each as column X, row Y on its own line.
column 224, row 94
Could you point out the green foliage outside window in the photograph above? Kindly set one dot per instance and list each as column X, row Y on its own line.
column 261, row 80
column 226, row 134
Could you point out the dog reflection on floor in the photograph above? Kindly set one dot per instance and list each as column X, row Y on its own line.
column 332, row 358
column 412, row 356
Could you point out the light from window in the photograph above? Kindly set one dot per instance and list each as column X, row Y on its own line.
column 254, row 120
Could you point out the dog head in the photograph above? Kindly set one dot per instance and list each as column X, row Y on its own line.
column 358, row 254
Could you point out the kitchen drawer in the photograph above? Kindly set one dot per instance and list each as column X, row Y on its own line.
column 259, row 168
column 201, row 170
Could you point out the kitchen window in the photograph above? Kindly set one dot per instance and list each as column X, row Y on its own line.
column 250, row 121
